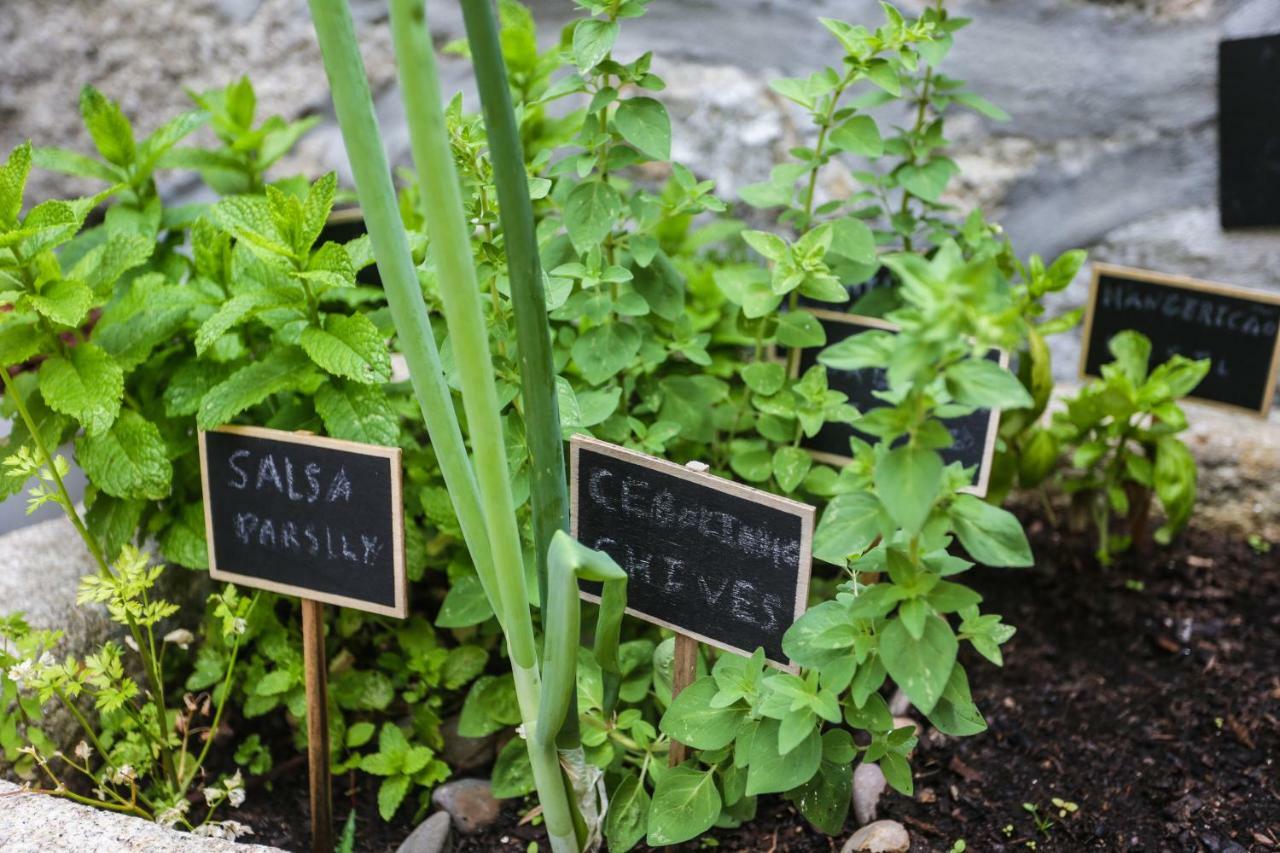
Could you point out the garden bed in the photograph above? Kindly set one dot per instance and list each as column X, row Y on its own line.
column 1155, row 710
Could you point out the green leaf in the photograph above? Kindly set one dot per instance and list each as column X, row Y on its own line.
column 628, row 818
column 315, row 210
column 908, row 481
column 129, row 460
column 771, row 246
column 1175, row 485
column 13, row 181
column 600, row 353
column 643, row 122
column 800, row 329
column 491, row 704
column 391, row 794
column 85, row 384
column 513, row 773
column 289, row 370
column 991, row 535
column 19, row 341
column 592, row 41
column 114, row 522
column 183, row 542
column 465, row 604
column 359, row 734
column 850, row 523
column 825, row 799
column 692, row 720
column 983, row 384
column 589, row 214
column 248, row 219
column 980, row 104
column 897, row 772
column 770, row 772
column 927, row 181
column 858, row 135
column 349, row 346
column 851, row 238
column 685, row 805
column 74, row 163
column 790, row 464
column 357, row 412
column 764, row 377
column 229, row 314
column 921, row 666
column 111, row 132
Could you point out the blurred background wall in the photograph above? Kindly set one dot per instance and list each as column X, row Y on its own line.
column 1111, row 146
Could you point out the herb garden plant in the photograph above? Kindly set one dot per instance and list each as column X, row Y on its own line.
column 537, row 284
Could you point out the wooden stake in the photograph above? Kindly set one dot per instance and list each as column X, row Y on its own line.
column 316, row 671
column 684, row 668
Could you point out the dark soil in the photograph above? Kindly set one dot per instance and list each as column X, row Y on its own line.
column 1148, row 694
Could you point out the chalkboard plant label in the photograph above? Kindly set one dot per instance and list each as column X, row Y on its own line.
column 1249, row 131
column 1237, row 329
column 305, row 515
column 715, row 560
column 973, row 435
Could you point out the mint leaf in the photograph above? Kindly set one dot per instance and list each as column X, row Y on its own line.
column 127, row 461
column 349, row 346
column 250, row 385
column 111, row 132
column 908, row 480
column 85, row 384
column 13, row 181
column 357, row 413
column 65, row 302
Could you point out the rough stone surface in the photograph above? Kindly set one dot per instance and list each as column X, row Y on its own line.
column 431, row 836
column 1111, row 144
column 469, row 802
column 883, row 836
column 868, row 784
column 37, row 823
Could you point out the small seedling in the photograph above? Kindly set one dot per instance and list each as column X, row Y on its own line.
column 1042, row 822
column 1134, row 585
column 1007, row 829
column 959, row 846
column 1258, row 544
column 1064, row 807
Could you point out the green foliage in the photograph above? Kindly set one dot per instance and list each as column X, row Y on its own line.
column 1122, row 435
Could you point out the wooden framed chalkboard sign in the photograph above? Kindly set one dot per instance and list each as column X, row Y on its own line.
column 712, row 559
column 973, row 435
column 305, row 515
column 1236, row 328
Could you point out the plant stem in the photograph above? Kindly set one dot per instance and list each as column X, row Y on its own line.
column 451, row 248
column 353, row 105
column 549, row 493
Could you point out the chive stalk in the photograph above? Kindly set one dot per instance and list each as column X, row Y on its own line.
column 450, row 245
column 548, row 491
column 353, row 105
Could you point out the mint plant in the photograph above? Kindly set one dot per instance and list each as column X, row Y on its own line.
column 1122, row 432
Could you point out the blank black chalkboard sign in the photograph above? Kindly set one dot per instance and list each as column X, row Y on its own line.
column 973, row 435
column 713, row 559
column 1237, row 329
column 304, row 515
column 1249, row 131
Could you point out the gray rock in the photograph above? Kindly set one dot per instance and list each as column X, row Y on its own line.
column 465, row 754
column 38, row 823
column 883, row 836
column 868, row 784
column 431, row 836
column 899, row 704
column 469, row 802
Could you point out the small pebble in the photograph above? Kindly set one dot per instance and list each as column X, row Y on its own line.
column 883, row 836
column 868, row 784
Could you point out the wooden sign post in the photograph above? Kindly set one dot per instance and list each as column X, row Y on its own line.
column 1237, row 329
column 318, row 518
column 974, row 435
column 715, row 561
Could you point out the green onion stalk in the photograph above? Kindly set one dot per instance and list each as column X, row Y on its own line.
column 353, row 104
column 482, row 492
column 450, row 245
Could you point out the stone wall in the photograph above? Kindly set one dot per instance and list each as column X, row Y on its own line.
column 1111, row 146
